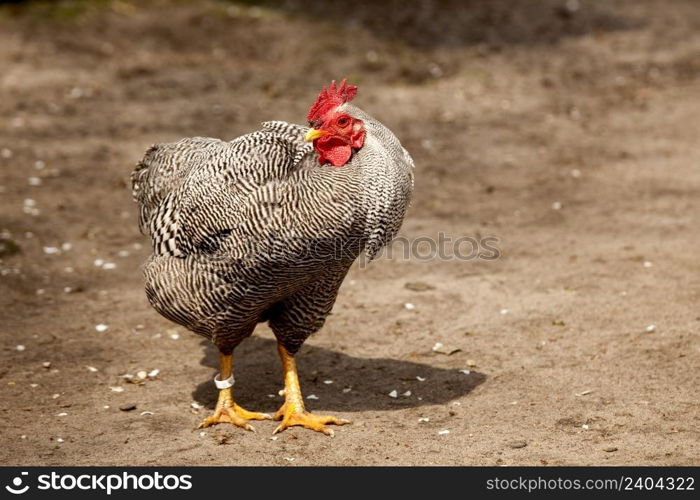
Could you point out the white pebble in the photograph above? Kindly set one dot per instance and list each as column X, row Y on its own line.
column 556, row 205
column 274, row 438
column 142, row 374
column 174, row 336
column 312, row 396
column 504, row 311
column 465, row 372
column 109, row 265
column 423, row 419
column 101, row 327
column 28, row 202
column 648, row 263
column 576, row 173
column 66, row 246
column 327, row 382
column 585, row 427
column 394, row 394
column 146, row 413
column 34, row 181
column 409, row 306
column 23, row 436
column 92, row 369
column 117, row 389
column 202, row 434
column 406, row 394
column 651, row 328
column 51, row 250
column 68, row 269
column 154, row 373
column 20, row 347
column 46, row 364
column 421, row 379
column 55, row 396
column 123, row 253
column 196, row 405
column 106, row 407
column 99, row 262
column 443, row 432
column 438, row 346
column 39, row 165
column 33, row 385
column 40, row 291
column 346, row 390
column 289, row 459
column 6, row 153
column 59, row 440
column 67, row 289
column 62, row 414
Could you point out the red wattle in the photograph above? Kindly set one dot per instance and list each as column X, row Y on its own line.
column 336, row 156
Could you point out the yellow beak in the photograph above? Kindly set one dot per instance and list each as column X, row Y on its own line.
column 314, row 134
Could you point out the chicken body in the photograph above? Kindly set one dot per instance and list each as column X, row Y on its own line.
column 256, row 230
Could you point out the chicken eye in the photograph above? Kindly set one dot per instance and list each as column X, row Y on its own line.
column 343, row 121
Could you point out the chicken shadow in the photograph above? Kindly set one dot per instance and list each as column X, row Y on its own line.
column 370, row 380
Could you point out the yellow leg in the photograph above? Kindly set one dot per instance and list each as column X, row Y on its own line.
column 226, row 409
column 293, row 411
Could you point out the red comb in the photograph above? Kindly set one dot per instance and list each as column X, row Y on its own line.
column 331, row 98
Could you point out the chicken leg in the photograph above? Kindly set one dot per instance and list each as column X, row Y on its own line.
column 293, row 411
column 226, row 409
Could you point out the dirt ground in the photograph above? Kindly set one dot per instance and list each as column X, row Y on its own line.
column 568, row 130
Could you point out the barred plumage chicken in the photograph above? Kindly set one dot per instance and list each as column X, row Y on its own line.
column 265, row 228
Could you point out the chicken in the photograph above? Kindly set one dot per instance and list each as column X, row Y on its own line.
column 265, row 228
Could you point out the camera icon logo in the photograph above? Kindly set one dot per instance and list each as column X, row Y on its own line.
column 17, row 483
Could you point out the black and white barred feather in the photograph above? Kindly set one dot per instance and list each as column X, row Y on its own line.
column 255, row 229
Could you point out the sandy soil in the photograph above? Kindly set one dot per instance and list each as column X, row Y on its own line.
column 570, row 134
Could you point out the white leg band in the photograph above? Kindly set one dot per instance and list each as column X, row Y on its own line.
column 224, row 384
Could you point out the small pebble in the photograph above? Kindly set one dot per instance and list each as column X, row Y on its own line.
column 66, row 247
column 196, row 405
column 556, row 205
column 153, row 373
column 59, row 440
column 394, row 394
column 443, row 432
column 312, row 396
column 610, row 449
column 127, row 407
column 99, row 262
column 62, row 414
column 406, row 394
column 327, row 382
column 33, row 385
column 423, row 419
column 92, row 369
column 465, row 372
column 46, row 364
column 20, row 347
column 504, row 311
column 123, row 253
column 421, row 379
column 517, row 444
column 51, row 250
column 142, row 374
column 648, row 264
column 34, row 181
column 117, row 389
column 202, row 434
column 174, row 336
column 55, row 396
column 274, row 438
column 409, row 306
column 109, row 265
column 651, row 328
column 576, row 173
column 144, row 413
column 585, row 427
column 101, row 327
